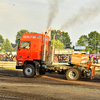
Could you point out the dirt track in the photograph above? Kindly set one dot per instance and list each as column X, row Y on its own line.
column 14, row 86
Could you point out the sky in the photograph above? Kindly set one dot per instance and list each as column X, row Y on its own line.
column 77, row 17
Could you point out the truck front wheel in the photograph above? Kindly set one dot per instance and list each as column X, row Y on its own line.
column 73, row 74
column 29, row 71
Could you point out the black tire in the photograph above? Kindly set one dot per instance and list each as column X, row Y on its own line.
column 73, row 74
column 41, row 73
column 29, row 71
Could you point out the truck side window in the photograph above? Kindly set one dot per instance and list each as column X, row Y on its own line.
column 25, row 45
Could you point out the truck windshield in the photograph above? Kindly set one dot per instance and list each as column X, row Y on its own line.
column 25, row 45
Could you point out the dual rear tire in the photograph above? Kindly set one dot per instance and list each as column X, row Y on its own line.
column 73, row 74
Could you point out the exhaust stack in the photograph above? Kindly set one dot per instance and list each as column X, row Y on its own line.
column 44, row 48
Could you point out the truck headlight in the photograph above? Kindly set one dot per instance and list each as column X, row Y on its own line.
column 19, row 63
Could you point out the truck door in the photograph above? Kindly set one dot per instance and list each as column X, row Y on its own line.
column 24, row 50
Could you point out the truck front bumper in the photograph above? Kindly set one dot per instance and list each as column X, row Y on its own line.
column 19, row 67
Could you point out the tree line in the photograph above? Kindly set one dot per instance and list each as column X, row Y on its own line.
column 91, row 41
column 5, row 44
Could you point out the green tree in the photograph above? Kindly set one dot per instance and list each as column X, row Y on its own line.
column 53, row 32
column 83, row 40
column 93, row 42
column 6, row 46
column 63, row 36
column 19, row 35
column 13, row 45
column 56, row 44
column 1, row 39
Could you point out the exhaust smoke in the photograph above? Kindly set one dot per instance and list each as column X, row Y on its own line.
column 85, row 14
column 53, row 10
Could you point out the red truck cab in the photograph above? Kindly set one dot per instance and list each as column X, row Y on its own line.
column 30, row 49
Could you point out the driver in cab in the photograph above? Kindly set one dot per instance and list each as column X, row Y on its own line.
column 28, row 46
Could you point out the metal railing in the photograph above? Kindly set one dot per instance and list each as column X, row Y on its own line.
column 7, row 64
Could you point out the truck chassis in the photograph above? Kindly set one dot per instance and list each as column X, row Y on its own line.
column 72, row 72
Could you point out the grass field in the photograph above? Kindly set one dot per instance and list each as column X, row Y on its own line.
column 7, row 68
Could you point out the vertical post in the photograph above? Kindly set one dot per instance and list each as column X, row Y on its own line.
column 59, row 41
column 53, row 48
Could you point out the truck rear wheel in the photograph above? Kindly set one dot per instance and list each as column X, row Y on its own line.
column 29, row 71
column 73, row 74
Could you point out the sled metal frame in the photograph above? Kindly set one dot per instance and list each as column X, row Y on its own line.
column 93, row 69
